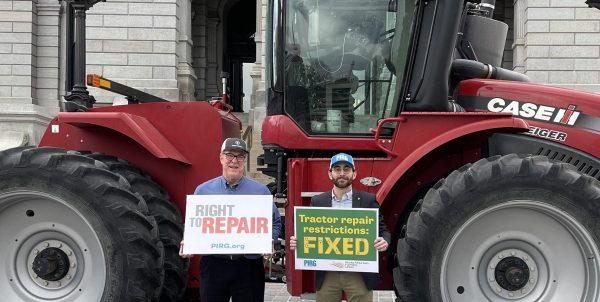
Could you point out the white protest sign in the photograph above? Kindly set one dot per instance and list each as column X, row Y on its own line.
column 228, row 224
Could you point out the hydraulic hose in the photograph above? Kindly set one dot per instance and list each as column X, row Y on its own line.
column 478, row 70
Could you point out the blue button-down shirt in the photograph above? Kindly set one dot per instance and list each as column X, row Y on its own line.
column 246, row 186
column 346, row 201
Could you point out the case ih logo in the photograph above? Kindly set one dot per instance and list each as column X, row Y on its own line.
column 564, row 116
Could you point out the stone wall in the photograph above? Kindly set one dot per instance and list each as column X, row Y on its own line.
column 29, row 47
column 18, row 49
column 135, row 43
column 562, row 43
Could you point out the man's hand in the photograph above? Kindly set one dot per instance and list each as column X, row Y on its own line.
column 380, row 244
column 181, row 251
column 293, row 243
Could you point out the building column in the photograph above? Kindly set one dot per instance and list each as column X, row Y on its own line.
column 519, row 36
column 186, row 76
column 259, row 96
column 199, row 50
column 48, row 49
column 255, row 73
column 213, row 79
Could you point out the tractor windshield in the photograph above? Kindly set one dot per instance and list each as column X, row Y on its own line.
column 344, row 62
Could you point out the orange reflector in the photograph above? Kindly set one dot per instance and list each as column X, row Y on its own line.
column 94, row 80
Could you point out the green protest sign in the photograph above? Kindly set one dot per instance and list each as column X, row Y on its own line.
column 334, row 239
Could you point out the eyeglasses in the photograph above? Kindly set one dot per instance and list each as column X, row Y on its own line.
column 339, row 169
column 230, row 157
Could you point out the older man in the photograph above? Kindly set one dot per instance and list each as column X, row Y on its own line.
column 239, row 277
column 357, row 286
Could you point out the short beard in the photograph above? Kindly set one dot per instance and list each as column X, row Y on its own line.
column 337, row 184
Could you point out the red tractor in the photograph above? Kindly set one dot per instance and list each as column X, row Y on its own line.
column 487, row 182
column 483, row 206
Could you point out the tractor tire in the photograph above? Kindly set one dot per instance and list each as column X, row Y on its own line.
column 167, row 216
column 72, row 231
column 504, row 228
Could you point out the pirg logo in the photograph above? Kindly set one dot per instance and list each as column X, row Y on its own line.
column 342, row 157
column 310, row 262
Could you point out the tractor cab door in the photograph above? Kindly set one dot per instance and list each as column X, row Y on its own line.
column 336, row 67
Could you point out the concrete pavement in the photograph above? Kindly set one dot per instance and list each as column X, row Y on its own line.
column 277, row 292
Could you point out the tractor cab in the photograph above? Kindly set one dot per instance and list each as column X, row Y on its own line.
column 335, row 67
column 340, row 71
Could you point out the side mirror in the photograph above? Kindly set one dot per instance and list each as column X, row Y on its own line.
column 393, row 6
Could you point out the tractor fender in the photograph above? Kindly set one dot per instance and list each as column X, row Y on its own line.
column 410, row 154
column 133, row 126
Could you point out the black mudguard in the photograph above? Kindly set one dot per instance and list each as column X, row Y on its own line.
column 503, row 143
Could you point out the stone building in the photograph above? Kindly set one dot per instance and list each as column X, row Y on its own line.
column 176, row 49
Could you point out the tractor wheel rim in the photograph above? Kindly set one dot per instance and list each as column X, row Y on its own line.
column 555, row 247
column 35, row 223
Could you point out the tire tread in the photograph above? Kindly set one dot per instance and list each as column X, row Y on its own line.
column 167, row 216
column 108, row 195
column 411, row 277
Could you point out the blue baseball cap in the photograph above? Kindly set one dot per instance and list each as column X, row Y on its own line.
column 342, row 158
